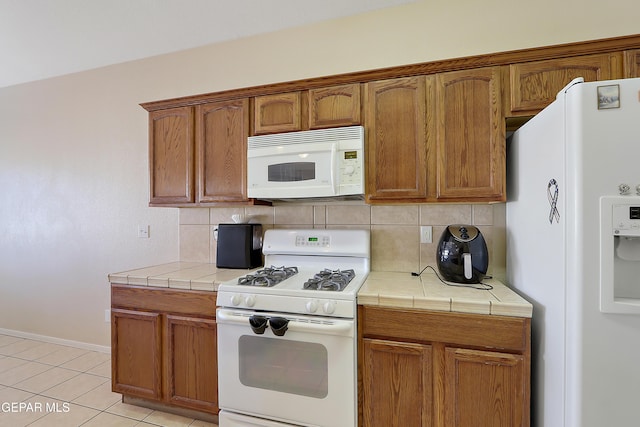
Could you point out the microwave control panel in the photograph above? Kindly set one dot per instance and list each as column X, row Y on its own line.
column 351, row 162
column 626, row 220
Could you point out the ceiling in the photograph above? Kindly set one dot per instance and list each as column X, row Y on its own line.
column 46, row 38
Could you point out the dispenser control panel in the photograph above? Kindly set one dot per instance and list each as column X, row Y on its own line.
column 626, row 220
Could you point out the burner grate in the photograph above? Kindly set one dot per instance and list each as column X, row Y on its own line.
column 330, row 280
column 268, row 277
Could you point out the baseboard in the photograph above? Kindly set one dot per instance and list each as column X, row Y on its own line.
column 54, row 340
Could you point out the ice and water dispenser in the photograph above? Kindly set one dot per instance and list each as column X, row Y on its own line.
column 620, row 254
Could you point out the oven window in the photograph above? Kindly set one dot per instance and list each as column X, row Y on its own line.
column 280, row 365
column 294, row 171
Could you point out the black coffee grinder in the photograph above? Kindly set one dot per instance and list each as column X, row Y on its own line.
column 462, row 254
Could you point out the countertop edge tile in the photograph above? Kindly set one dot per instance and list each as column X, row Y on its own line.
column 462, row 305
column 404, row 301
column 368, row 299
column 511, row 309
column 432, row 303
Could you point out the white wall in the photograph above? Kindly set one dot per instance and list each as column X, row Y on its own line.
column 73, row 149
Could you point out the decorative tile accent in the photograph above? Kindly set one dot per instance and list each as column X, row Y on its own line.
column 194, row 243
column 294, row 215
column 445, row 214
column 402, row 214
column 395, row 248
column 194, row 216
column 348, row 214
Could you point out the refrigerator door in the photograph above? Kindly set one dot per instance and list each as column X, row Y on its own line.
column 536, row 221
column 603, row 147
column 584, row 362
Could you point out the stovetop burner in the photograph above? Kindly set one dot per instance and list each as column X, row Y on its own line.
column 330, row 280
column 268, row 277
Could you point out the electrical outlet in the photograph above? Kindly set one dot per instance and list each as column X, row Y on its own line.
column 107, row 316
column 143, row 231
column 426, row 234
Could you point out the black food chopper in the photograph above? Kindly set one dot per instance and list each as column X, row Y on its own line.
column 462, row 254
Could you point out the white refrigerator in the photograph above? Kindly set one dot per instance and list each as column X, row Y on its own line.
column 573, row 250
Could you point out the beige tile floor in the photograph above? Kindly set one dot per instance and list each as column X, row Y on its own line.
column 51, row 385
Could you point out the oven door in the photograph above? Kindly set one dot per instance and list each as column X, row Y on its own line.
column 307, row 376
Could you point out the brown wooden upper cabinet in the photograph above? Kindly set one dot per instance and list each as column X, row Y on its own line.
column 396, row 133
column 171, row 156
column 222, row 129
column 277, row 113
column 199, row 154
column 436, row 138
column 534, row 85
column 469, row 136
column 333, row 106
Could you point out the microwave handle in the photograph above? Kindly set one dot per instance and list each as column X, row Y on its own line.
column 334, row 171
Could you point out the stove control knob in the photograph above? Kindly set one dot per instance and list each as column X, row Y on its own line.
column 329, row 307
column 311, row 306
column 250, row 300
column 235, row 299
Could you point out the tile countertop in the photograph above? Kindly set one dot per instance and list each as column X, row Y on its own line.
column 389, row 289
column 198, row 276
column 426, row 292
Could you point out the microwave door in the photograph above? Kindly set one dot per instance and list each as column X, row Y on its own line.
column 300, row 173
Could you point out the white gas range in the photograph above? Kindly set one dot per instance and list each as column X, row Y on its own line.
column 287, row 332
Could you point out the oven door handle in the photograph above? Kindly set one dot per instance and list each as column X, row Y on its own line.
column 340, row 327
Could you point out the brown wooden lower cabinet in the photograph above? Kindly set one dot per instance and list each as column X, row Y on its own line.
column 430, row 369
column 164, row 346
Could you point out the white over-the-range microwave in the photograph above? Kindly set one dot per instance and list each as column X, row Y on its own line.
column 307, row 164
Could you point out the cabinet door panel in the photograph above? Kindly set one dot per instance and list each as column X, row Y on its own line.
column 334, row 106
column 396, row 139
column 470, row 136
column 534, row 85
column 484, row 389
column 397, row 384
column 277, row 113
column 136, row 353
column 222, row 128
column 192, row 375
column 171, row 156
column 632, row 63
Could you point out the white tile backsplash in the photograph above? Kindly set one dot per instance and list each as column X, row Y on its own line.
column 394, row 229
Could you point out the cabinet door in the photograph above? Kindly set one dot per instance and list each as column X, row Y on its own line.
column 136, row 353
column 534, row 85
column 470, row 135
column 222, row 130
column 632, row 63
column 395, row 120
column 397, row 384
column 334, row 106
column 484, row 389
column 191, row 360
column 277, row 113
column 171, row 156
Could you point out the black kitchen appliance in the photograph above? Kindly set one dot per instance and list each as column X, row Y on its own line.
column 462, row 254
column 239, row 246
